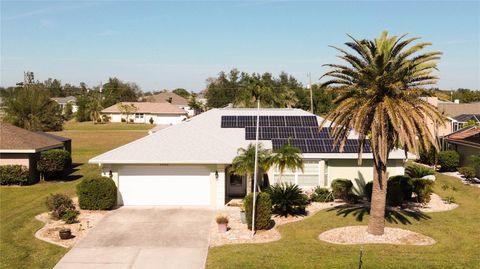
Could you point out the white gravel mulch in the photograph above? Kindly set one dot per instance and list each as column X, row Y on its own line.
column 86, row 221
column 358, row 235
column 475, row 183
column 436, row 204
column 238, row 232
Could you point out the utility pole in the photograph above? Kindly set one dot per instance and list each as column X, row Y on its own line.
column 255, row 172
column 309, row 86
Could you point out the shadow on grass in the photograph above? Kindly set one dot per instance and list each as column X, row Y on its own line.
column 392, row 215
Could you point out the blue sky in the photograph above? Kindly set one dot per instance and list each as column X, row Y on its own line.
column 160, row 44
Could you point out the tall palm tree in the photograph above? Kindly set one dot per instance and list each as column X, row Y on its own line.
column 244, row 163
column 95, row 108
column 287, row 157
column 378, row 96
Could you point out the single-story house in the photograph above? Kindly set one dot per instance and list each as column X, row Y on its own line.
column 22, row 147
column 466, row 142
column 174, row 99
column 63, row 101
column 190, row 163
column 160, row 113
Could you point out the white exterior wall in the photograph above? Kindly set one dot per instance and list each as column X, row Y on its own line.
column 328, row 170
column 164, row 119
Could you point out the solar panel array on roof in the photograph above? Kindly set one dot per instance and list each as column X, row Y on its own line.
column 320, row 145
column 268, row 121
column 300, row 131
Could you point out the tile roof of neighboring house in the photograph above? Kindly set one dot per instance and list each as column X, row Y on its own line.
column 15, row 139
column 202, row 140
column 469, row 136
column 454, row 109
column 467, row 117
column 163, row 97
column 148, row 107
column 64, row 100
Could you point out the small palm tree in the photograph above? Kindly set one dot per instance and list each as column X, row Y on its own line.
column 378, row 96
column 95, row 108
column 244, row 163
column 287, row 157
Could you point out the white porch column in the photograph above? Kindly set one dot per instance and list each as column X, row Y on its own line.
column 322, row 173
column 220, row 187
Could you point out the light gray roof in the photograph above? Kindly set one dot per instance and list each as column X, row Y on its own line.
column 201, row 140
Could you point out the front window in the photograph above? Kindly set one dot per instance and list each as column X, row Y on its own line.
column 309, row 178
column 139, row 116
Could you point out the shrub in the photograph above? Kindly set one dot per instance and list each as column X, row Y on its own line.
column 106, row 118
column 399, row 190
column 14, row 175
column 130, row 120
column 59, row 204
column 321, row 195
column 70, row 216
column 222, row 219
column 263, row 211
column 422, row 188
column 418, row 171
column 151, row 120
column 97, row 193
column 448, row 160
column 468, row 172
column 428, row 157
column 287, row 199
column 369, row 191
column 54, row 163
column 342, row 188
column 123, row 120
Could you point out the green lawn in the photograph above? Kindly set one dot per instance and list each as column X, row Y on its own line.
column 19, row 205
column 456, row 232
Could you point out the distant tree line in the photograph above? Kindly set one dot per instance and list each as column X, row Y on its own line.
column 242, row 89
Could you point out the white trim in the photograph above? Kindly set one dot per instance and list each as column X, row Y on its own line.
column 17, row 151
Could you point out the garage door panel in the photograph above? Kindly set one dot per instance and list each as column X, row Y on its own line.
column 165, row 186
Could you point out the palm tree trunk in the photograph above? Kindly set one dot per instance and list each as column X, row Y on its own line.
column 376, row 223
column 249, row 183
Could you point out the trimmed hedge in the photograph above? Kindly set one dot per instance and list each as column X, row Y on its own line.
column 263, row 210
column 54, row 163
column 342, row 189
column 287, row 199
column 14, row 175
column 448, row 160
column 97, row 193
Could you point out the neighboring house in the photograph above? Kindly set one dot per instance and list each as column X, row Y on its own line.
column 460, row 121
column 201, row 98
column 450, row 111
column 63, row 101
column 190, row 163
column 174, row 99
column 160, row 113
column 23, row 147
column 466, row 142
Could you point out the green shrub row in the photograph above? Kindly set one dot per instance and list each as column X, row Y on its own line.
column 401, row 188
column 321, row 195
column 14, row 175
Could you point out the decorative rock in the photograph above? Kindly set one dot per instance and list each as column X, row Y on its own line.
column 430, row 177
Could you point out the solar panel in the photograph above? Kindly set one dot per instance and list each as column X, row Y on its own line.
column 229, row 122
column 293, row 120
column 277, row 120
column 303, row 132
column 286, row 132
column 244, row 121
column 309, row 121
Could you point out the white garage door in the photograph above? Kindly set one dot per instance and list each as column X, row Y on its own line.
column 168, row 185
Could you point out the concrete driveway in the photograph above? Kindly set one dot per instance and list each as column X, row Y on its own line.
column 144, row 237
